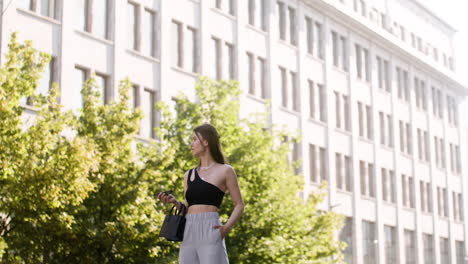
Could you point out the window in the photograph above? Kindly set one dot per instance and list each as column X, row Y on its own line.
column 457, row 158
column 452, row 111
column 148, row 33
column 420, row 93
column 228, row 59
column 437, row 103
column 282, row 20
column 342, row 110
column 184, row 48
column 346, row 235
column 132, row 26
column 322, row 103
column 370, row 134
column 99, row 21
column 223, row 63
column 217, row 69
column 48, row 77
column 460, row 251
column 439, row 147
column 457, row 206
column 257, row 18
column 339, row 51
column 296, row 154
column 313, row 163
column 362, row 63
column 287, row 23
column 290, row 93
column 80, row 76
column 295, row 92
column 343, row 172
column 390, row 245
column 402, row 33
column 383, row 137
column 226, row 5
column 361, row 119
column 383, row 74
column 317, row 162
column 388, row 185
column 323, row 164
column 177, row 44
column 318, row 40
column 292, row 26
column 402, row 84
column 346, row 113
column 102, row 82
column 314, row 38
column 409, row 149
column 360, row 7
column 390, row 131
column 423, row 145
column 48, row 8
column 256, row 75
column 368, row 245
column 410, row 247
column 336, row 54
column 337, row 110
column 428, row 244
column 148, row 122
column 444, row 250
column 405, row 138
column 442, row 202
column 284, row 87
column 407, row 191
column 317, row 101
column 191, row 60
column 426, row 197
column 92, row 17
column 367, row 179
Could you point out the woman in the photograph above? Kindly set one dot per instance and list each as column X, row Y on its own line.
column 204, row 188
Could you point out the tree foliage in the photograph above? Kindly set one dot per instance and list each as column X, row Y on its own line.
column 78, row 188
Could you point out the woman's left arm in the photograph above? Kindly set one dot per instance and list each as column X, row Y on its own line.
column 233, row 188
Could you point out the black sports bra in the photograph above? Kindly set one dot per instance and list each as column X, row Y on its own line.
column 202, row 192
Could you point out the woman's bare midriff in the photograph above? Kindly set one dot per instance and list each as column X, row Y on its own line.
column 201, row 208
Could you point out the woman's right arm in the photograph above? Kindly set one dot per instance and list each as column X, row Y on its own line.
column 171, row 199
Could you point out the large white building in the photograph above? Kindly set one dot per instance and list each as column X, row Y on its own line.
column 370, row 84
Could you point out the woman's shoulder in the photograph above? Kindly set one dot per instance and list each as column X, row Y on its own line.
column 226, row 169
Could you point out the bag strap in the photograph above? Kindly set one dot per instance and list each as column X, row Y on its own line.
column 182, row 211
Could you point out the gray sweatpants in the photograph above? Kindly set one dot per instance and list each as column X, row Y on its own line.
column 202, row 243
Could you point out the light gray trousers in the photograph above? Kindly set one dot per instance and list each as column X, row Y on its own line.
column 202, row 244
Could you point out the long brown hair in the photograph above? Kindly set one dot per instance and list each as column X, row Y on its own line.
column 209, row 133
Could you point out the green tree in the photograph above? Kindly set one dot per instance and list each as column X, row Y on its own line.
column 43, row 173
column 277, row 225
column 77, row 188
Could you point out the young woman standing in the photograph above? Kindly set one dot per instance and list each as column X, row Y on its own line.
column 204, row 188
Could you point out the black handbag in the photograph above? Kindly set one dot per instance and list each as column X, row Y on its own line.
column 174, row 224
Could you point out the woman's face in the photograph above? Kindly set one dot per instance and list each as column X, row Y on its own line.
column 198, row 144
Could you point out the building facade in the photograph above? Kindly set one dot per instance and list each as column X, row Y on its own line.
column 371, row 85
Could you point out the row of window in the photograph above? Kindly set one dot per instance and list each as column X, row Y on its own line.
column 367, row 181
column 342, row 101
column 143, row 97
column 408, row 245
column 185, row 54
column 380, row 18
column 93, row 17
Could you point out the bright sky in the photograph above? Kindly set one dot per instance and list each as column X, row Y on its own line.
column 454, row 12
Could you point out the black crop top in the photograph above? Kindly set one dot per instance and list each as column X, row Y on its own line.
column 202, row 192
